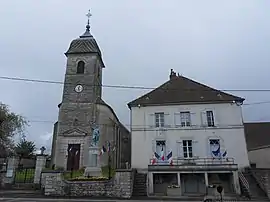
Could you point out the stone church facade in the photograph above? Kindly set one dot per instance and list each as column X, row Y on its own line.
column 82, row 108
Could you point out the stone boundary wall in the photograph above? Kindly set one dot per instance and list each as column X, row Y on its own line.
column 121, row 186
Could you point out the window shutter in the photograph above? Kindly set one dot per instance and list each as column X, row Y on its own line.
column 180, row 149
column 193, row 119
column 167, row 120
column 153, row 146
column 177, row 119
column 203, row 118
column 151, row 121
column 215, row 117
column 195, row 148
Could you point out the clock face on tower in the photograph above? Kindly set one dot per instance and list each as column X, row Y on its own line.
column 79, row 88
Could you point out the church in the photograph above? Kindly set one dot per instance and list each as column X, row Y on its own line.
column 82, row 109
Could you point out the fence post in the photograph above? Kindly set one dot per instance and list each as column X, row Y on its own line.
column 11, row 169
column 40, row 164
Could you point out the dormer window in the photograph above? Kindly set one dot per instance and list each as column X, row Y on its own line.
column 80, row 67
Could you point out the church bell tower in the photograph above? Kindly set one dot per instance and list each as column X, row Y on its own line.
column 77, row 111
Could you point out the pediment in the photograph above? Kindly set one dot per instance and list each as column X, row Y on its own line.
column 75, row 132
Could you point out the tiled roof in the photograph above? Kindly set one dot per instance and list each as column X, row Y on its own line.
column 84, row 44
column 182, row 90
column 257, row 135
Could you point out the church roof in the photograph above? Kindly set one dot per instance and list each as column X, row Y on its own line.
column 182, row 90
column 86, row 43
column 102, row 102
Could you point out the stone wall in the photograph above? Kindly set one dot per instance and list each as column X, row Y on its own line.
column 54, row 184
column 50, row 173
column 119, row 187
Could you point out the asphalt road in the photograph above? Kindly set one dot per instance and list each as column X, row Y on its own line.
column 83, row 200
column 71, row 200
column 51, row 200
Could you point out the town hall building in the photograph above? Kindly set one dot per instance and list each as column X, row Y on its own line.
column 190, row 136
column 82, row 109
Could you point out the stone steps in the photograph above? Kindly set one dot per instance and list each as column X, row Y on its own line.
column 255, row 192
column 139, row 187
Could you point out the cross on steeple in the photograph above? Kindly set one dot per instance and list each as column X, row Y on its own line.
column 88, row 15
column 87, row 31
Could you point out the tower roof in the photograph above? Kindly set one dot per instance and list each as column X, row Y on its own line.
column 86, row 43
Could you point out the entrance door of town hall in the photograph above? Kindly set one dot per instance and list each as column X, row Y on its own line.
column 73, row 160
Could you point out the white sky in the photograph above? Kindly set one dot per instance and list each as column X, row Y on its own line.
column 224, row 44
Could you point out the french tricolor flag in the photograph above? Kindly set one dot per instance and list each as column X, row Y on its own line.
column 103, row 150
column 162, row 154
column 154, row 159
column 169, row 158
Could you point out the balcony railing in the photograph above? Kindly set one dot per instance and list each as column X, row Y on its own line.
column 194, row 161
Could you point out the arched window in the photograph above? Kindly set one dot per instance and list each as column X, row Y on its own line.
column 80, row 67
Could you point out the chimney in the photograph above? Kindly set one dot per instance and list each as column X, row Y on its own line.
column 173, row 74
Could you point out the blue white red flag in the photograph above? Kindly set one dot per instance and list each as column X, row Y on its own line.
column 169, row 158
column 156, row 155
column 154, row 159
column 103, row 150
column 162, row 154
column 109, row 147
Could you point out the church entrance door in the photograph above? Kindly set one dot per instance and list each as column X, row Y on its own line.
column 73, row 161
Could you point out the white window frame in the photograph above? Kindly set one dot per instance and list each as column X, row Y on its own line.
column 210, row 118
column 164, row 148
column 187, row 147
column 159, row 119
column 213, row 139
column 185, row 119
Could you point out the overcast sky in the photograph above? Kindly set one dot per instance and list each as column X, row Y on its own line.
column 224, row 44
